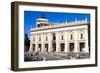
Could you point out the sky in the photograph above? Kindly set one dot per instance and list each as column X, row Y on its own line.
column 31, row 16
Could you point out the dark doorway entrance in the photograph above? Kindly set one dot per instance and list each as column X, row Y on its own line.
column 39, row 45
column 71, row 46
column 33, row 47
column 54, row 47
column 46, row 46
column 82, row 45
column 62, row 45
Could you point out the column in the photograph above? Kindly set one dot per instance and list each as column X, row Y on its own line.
column 66, row 42
column 49, row 42
column 30, row 43
column 36, row 42
column 57, row 42
column 76, row 41
column 42, row 38
column 86, row 43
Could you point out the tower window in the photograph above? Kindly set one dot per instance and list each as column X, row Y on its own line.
column 38, row 25
column 41, row 24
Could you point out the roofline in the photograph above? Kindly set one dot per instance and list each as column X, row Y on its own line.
column 58, row 27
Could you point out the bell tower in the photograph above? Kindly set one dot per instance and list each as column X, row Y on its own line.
column 42, row 21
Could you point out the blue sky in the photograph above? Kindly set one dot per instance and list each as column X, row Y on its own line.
column 31, row 16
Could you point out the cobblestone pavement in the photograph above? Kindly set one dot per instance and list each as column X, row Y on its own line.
column 52, row 56
column 60, row 56
column 46, row 56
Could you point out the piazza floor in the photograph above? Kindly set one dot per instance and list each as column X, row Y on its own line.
column 48, row 56
column 62, row 55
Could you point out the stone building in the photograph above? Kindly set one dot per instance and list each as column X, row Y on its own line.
column 60, row 37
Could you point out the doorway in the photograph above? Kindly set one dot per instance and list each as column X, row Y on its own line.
column 82, row 46
column 39, row 45
column 62, row 45
column 71, row 47
column 46, row 46
column 54, row 47
column 33, row 47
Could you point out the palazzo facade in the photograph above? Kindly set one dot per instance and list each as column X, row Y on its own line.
column 60, row 37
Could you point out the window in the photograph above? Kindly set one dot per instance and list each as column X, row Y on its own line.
column 38, row 25
column 39, row 38
column 54, row 37
column 34, row 39
column 46, row 38
column 41, row 24
column 71, row 37
column 62, row 37
column 81, row 36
